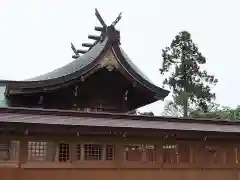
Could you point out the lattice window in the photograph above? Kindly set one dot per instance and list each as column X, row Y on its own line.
column 170, row 153
column 4, row 151
column 37, row 150
column 92, row 151
column 230, row 156
column 150, row 152
column 133, row 152
column 63, row 152
column 214, row 154
column 183, row 153
column 14, row 151
column 78, row 151
column 110, row 152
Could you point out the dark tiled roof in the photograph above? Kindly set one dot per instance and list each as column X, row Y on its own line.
column 66, row 73
column 119, row 123
column 74, row 66
column 114, row 120
column 137, row 73
column 85, row 63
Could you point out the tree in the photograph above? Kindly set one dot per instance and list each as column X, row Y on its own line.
column 172, row 109
column 190, row 85
column 224, row 113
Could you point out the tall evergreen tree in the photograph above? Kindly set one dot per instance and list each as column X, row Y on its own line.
column 189, row 84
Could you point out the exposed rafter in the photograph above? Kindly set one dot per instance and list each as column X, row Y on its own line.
column 98, row 28
column 97, row 38
column 75, row 56
column 81, row 51
column 74, row 49
column 87, row 45
column 117, row 19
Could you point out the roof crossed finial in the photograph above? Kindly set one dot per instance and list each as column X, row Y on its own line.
column 102, row 21
column 100, row 38
column 104, row 27
column 117, row 19
column 100, row 18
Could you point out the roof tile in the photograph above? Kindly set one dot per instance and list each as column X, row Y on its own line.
column 118, row 123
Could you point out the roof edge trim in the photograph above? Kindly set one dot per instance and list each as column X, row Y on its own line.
column 58, row 80
column 161, row 93
column 72, row 113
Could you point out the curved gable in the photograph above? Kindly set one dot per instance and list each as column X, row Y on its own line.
column 137, row 74
column 107, row 47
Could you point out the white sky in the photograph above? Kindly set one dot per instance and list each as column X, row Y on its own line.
column 35, row 35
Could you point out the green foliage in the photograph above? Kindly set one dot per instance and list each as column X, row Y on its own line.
column 224, row 113
column 189, row 84
column 172, row 109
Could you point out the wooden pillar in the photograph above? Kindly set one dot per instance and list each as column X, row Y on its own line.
column 73, row 151
column 119, row 158
column 82, row 153
column 14, row 150
column 51, row 151
column 103, row 153
column 57, row 152
column 23, row 151
column 144, row 154
column 191, row 154
column 231, row 157
column 159, row 155
column 198, row 154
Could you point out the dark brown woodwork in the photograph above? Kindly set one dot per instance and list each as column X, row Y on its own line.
column 99, row 17
column 102, row 91
column 75, row 56
column 94, row 37
column 54, row 137
column 97, row 28
column 81, row 51
column 87, row 45
column 60, row 157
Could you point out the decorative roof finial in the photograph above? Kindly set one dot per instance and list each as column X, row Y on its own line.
column 117, row 19
column 74, row 49
column 100, row 18
column 75, row 52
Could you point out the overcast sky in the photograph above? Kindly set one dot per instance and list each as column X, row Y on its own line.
column 35, row 35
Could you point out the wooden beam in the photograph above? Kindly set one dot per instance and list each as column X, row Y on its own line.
column 75, row 56
column 81, row 51
column 94, row 37
column 98, row 28
column 100, row 18
column 87, row 45
column 74, row 49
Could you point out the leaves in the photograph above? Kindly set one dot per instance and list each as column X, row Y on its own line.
column 172, row 109
column 187, row 81
column 224, row 113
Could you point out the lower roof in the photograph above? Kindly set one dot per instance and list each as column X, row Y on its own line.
column 73, row 118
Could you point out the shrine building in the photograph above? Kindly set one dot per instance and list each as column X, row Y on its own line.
column 76, row 123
